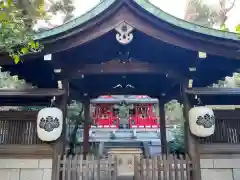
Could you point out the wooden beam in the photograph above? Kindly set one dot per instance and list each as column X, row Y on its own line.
column 213, row 91
column 34, row 92
column 219, row 148
column 116, row 92
column 28, row 97
column 79, row 90
column 117, row 67
column 26, row 151
column 191, row 141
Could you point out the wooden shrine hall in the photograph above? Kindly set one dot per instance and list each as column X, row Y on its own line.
column 124, row 47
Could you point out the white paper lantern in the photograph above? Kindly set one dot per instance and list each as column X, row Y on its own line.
column 201, row 121
column 49, row 124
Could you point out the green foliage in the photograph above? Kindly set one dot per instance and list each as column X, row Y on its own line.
column 16, row 35
column 237, row 28
column 175, row 116
column 174, row 111
column 200, row 13
column 76, row 113
column 203, row 14
column 178, row 144
column 64, row 6
column 17, row 19
column 76, row 118
column 11, row 82
column 224, row 28
column 30, row 108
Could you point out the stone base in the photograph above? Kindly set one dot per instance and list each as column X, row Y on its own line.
column 220, row 169
column 26, row 169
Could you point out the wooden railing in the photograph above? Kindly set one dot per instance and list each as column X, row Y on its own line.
column 75, row 168
column 227, row 129
column 18, row 127
column 159, row 168
column 163, row 167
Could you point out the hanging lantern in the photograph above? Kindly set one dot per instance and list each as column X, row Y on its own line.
column 49, row 124
column 201, row 121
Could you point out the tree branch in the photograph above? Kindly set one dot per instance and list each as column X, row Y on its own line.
column 230, row 8
column 221, row 3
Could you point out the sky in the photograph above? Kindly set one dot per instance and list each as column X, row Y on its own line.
column 174, row 7
column 233, row 17
column 167, row 5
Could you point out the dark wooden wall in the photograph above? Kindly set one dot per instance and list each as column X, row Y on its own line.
column 226, row 139
column 227, row 128
column 19, row 127
column 18, row 136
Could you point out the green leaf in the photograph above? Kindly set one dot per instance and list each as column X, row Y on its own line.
column 2, row 5
column 9, row 2
column 31, row 44
column 24, row 50
column 16, row 59
column 3, row 15
column 237, row 28
column 224, row 28
column 6, row 5
column 16, row 21
column 37, row 45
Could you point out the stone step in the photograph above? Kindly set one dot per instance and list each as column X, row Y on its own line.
column 132, row 151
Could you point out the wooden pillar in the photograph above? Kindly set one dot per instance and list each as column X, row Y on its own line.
column 163, row 127
column 86, row 127
column 59, row 144
column 191, row 142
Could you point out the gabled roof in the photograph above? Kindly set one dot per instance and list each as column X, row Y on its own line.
column 91, row 39
column 144, row 18
column 144, row 4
